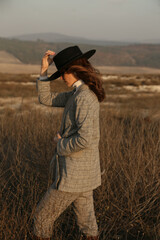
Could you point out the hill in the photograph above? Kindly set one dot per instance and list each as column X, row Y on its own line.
column 6, row 57
column 61, row 38
column 137, row 55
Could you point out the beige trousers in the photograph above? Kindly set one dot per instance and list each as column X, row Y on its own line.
column 55, row 202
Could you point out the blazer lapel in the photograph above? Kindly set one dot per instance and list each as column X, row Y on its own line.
column 68, row 104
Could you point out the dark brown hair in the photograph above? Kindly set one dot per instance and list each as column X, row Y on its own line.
column 82, row 69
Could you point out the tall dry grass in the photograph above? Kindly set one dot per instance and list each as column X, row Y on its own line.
column 127, row 204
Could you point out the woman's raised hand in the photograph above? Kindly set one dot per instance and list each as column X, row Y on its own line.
column 47, row 60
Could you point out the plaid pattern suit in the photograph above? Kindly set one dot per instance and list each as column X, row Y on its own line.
column 75, row 165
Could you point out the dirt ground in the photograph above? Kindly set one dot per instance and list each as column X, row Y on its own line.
column 12, row 65
column 20, row 68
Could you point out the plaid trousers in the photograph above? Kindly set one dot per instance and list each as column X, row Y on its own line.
column 55, row 202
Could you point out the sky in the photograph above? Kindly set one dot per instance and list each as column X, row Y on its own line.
column 113, row 20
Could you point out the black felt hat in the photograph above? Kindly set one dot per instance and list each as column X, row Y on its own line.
column 66, row 57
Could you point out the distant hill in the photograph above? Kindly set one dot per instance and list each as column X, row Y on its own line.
column 140, row 55
column 6, row 57
column 61, row 38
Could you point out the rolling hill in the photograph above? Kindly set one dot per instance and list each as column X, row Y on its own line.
column 6, row 57
column 61, row 38
column 137, row 55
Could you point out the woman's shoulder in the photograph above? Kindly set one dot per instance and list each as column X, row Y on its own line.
column 86, row 96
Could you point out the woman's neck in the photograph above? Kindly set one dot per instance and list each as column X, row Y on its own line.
column 78, row 83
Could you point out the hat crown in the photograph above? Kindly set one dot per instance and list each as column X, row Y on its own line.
column 66, row 56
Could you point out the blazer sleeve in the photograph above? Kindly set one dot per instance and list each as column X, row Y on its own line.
column 46, row 97
column 82, row 138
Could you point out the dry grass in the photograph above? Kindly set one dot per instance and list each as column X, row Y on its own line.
column 127, row 204
column 17, row 85
column 132, row 80
column 134, row 92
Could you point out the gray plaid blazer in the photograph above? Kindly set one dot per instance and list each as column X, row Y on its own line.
column 75, row 165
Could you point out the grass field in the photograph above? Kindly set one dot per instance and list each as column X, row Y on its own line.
column 12, row 66
column 127, row 204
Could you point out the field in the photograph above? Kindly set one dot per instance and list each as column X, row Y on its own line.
column 127, row 204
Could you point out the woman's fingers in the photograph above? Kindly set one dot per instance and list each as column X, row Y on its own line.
column 56, row 139
column 47, row 60
column 58, row 135
column 49, row 55
column 49, row 52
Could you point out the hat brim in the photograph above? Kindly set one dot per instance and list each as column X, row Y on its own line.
column 57, row 74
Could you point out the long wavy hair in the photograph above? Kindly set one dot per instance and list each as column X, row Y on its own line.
column 82, row 69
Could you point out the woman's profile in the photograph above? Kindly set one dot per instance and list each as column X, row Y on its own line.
column 75, row 165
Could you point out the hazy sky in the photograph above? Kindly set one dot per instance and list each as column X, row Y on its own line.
column 96, row 19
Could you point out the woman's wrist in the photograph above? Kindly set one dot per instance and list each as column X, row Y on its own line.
column 43, row 72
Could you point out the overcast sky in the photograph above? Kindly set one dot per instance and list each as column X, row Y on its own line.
column 95, row 19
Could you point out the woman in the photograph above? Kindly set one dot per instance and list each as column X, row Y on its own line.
column 75, row 166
